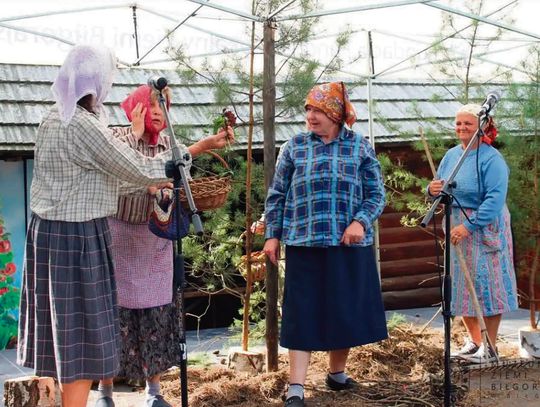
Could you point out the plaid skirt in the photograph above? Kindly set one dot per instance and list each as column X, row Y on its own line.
column 68, row 324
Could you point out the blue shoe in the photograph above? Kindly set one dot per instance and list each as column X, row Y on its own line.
column 156, row 401
column 104, row 401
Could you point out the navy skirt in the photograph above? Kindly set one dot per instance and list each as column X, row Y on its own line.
column 332, row 299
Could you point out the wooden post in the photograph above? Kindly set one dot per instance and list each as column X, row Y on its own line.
column 269, row 112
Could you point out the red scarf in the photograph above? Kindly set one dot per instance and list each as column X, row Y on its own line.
column 142, row 95
column 490, row 131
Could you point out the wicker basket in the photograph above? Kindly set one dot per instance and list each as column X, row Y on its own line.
column 258, row 266
column 209, row 192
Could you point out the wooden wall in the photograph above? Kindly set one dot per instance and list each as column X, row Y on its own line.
column 409, row 271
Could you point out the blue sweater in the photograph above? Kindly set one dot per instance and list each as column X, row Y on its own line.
column 493, row 183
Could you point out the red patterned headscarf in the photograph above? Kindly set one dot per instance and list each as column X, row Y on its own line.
column 490, row 130
column 332, row 98
column 143, row 95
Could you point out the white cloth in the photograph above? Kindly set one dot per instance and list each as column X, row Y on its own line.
column 86, row 70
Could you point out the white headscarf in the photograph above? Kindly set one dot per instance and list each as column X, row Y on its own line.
column 86, row 70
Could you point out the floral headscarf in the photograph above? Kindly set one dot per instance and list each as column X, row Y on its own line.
column 490, row 130
column 87, row 70
column 332, row 98
column 143, row 95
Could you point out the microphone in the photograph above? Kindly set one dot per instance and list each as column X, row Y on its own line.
column 157, row 83
column 491, row 100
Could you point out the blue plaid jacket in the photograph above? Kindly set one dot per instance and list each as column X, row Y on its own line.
column 319, row 189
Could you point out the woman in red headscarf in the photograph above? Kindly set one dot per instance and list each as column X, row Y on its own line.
column 326, row 193
column 149, row 315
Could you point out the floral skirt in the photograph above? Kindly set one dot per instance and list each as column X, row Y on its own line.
column 488, row 254
column 150, row 340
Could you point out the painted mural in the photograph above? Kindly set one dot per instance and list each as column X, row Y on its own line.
column 13, row 215
column 9, row 293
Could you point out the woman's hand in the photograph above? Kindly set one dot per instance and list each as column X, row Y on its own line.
column 458, row 233
column 137, row 120
column 354, row 233
column 271, row 249
column 435, row 187
column 221, row 139
column 152, row 190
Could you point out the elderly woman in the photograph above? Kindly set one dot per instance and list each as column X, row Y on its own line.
column 326, row 193
column 149, row 310
column 68, row 326
column 481, row 229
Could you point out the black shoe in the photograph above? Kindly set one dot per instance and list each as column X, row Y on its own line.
column 337, row 386
column 294, row 401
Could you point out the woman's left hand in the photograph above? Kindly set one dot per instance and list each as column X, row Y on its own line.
column 353, row 234
column 458, row 233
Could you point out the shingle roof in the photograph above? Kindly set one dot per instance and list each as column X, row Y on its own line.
column 25, row 96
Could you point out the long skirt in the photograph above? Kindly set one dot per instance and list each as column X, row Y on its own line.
column 68, row 325
column 332, row 299
column 488, row 254
column 150, row 340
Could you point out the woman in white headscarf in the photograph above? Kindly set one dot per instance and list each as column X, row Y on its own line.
column 68, row 326
column 481, row 230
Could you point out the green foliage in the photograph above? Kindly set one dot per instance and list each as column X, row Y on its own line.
column 212, row 259
column 461, row 44
column 522, row 153
column 404, row 190
column 395, row 321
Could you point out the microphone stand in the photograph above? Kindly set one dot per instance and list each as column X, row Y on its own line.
column 446, row 198
column 176, row 169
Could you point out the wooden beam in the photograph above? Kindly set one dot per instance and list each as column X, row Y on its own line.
column 269, row 112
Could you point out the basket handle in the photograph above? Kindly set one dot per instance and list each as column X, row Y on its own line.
column 216, row 155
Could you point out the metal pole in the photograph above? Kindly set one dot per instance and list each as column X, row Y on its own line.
column 135, row 30
column 371, row 135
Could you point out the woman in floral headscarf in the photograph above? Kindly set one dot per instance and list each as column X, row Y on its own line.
column 68, row 325
column 482, row 232
column 326, row 193
column 149, row 311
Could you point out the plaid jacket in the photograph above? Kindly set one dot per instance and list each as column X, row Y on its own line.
column 319, row 189
column 79, row 169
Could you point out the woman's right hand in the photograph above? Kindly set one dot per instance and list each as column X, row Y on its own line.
column 137, row 120
column 435, row 187
column 271, row 249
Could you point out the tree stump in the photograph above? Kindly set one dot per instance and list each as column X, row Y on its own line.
column 31, row 391
column 245, row 361
column 529, row 343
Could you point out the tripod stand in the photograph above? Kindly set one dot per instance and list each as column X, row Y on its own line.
column 176, row 169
